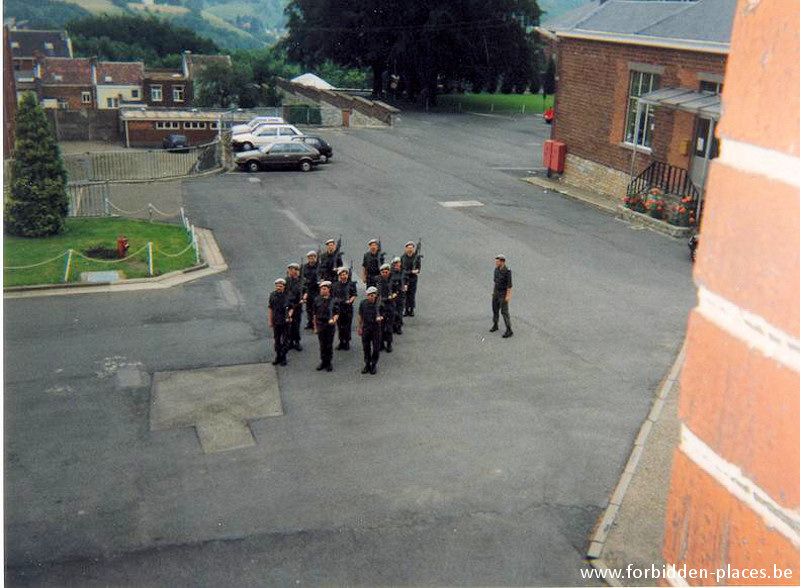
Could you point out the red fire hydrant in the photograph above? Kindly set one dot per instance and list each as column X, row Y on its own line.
column 122, row 246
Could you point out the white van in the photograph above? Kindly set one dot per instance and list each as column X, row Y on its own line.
column 263, row 135
column 259, row 120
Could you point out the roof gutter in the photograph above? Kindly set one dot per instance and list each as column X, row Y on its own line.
column 661, row 42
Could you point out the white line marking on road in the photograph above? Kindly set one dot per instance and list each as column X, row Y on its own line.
column 254, row 180
column 299, row 224
column 460, row 203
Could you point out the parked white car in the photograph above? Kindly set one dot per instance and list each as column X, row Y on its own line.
column 256, row 122
column 264, row 135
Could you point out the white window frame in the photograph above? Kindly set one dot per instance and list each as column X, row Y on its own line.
column 135, row 93
column 157, row 93
column 86, row 97
column 178, row 93
column 640, row 83
column 194, row 125
column 168, row 125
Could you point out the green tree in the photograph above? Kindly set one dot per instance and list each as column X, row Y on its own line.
column 549, row 81
column 221, row 85
column 38, row 203
column 425, row 42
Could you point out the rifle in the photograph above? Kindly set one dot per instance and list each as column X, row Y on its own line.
column 381, row 254
column 419, row 254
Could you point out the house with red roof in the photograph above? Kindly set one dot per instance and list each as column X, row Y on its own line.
column 65, row 82
column 118, row 82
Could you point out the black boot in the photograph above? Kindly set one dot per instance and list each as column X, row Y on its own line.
column 298, row 347
column 340, row 346
column 411, row 312
column 346, row 346
column 276, row 361
column 365, row 369
column 329, row 368
column 508, row 333
column 320, row 367
column 283, row 361
column 494, row 328
column 388, row 348
column 373, row 369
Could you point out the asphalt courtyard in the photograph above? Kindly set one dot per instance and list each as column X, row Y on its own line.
column 468, row 459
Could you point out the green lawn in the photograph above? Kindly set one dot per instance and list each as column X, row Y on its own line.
column 500, row 103
column 84, row 233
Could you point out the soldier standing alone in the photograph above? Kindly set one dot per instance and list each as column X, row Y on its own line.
column 501, row 295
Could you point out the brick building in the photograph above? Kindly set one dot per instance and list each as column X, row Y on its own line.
column 166, row 88
column 26, row 46
column 637, row 92
column 65, row 82
column 734, row 500
column 118, row 82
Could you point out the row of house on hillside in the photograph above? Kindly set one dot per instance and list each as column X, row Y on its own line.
column 44, row 64
column 638, row 93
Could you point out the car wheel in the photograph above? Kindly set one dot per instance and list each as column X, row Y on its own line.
column 323, row 159
column 252, row 166
column 247, row 146
column 305, row 165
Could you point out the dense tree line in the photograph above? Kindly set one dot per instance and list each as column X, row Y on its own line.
column 44, row 15
column 127, row 38
column 424, row 43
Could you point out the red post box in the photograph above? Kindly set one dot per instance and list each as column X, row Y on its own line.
column 558, row 155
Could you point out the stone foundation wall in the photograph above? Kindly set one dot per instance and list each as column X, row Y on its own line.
column 593, row 176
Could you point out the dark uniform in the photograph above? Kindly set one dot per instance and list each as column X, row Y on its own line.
column 341, row 293
column 324, row 310
column 294, row 292
column 370, row 333
column 384, row 286
column 311, row 290
column 279, row 304
column 328, row 264
column 372, row 265
column 502, row 282
column 397, row 283
column 409, row 264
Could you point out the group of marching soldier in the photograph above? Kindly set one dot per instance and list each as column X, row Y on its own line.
column 326, row 288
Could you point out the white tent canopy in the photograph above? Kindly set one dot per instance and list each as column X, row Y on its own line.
column 309, row 79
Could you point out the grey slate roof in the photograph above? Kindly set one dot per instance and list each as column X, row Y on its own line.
column 696, row 20
column 31, row 42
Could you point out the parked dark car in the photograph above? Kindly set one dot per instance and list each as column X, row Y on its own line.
column 318, row 143
column 279, row 155
column 175, row 143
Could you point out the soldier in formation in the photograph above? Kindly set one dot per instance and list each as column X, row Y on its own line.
column 310, row 285
column 344, row 292
column 369, row 329
column 326, row 314
column 411, row 264
column 329, row 293
column 294, row 291
column 279, row 311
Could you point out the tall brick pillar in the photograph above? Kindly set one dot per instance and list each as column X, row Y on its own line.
column 734, row 498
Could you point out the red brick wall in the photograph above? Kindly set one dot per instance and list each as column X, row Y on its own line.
column 144, row 134
column 593, row 81
column 735, row 489
column 72, row 94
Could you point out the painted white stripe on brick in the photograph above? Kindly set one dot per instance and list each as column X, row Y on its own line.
column 758, row 160
column 776, row 517
column 755, row 331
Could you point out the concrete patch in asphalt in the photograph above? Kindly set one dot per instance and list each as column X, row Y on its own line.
column 217, row 401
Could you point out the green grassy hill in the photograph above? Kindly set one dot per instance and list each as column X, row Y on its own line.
column 241, row 24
